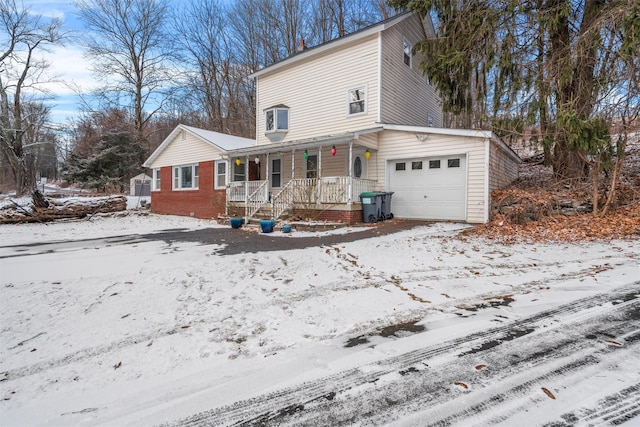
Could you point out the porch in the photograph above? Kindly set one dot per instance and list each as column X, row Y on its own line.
column 322, row 175
column 304, row 195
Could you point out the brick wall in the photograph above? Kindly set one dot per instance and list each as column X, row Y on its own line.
column 347, row 217
column 202, row 203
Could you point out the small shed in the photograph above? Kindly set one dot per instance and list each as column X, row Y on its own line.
column 140, row 185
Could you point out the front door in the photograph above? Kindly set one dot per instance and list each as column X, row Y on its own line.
column 359, row 166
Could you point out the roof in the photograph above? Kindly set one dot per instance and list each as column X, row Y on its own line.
column 221, row 141
column 349, row 38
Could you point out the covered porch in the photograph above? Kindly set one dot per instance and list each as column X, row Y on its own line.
column 319, row 178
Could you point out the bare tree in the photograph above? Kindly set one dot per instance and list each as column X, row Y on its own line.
column 23, row 36
column 129, row 51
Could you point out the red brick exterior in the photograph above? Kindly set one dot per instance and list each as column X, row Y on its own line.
column 205, row 202
column 347, row 217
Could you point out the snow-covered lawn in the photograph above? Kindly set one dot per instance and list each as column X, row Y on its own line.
column 142, row 332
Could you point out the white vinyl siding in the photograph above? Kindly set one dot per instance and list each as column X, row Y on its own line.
column 503, row 168
column 314, row 89
column 220, row 174
column 405, row 146
column 186, row 149
column 406, row 97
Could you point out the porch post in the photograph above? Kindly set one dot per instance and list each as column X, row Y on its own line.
column 319, row 177
column 350, row 178
column 293, row 164
column 246, row 189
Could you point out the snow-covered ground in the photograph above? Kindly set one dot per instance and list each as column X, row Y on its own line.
column 116, row 331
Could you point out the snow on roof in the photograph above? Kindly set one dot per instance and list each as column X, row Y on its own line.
column 222, row 141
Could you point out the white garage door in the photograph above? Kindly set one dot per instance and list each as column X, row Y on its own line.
column 429, row 188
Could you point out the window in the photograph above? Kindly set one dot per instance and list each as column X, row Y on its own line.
column 357, row 167
column 357, row 98
column 416, row 165
column 312, row 166
column 221, row 174
column 185, row 177
column 434, row 164
column 453, row 163
column 277, row 119
column 400, row 166
column 430, row 121
column 156, row 179
column 406, row 49
column 238, row 172
column 276, row 173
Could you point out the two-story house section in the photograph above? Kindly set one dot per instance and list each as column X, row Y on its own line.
column 355, row 115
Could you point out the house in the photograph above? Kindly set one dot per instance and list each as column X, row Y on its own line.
column 190, row 173
column 353, row 115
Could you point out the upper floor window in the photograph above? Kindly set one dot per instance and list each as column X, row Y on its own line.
column 185, row 177
column 357, row 100
column 156, row 180
column 221, row 174
column 406, row 48
column 276, row 119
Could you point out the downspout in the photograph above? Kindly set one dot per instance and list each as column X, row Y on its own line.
column 350, row 179
column 319, row 177
column 246, row 188
column 487, row 162
column 379, row 77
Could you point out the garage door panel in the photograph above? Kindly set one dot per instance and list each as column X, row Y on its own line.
column 429, row 193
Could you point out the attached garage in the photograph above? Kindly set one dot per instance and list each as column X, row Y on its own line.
column 429, row 187
column 443, row 174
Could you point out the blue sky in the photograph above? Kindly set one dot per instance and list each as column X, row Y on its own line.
column 67, row 62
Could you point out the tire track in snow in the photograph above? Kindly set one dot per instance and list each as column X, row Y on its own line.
column 293, row 404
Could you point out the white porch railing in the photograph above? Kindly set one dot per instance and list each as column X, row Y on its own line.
column 257, row 198
column 304, row 192
column 237, row 191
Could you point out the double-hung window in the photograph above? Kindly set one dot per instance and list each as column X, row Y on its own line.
column 276, row 119
column 276, row 173
column 185, row 177
column 156, row 179
column 221, row 174
column 357, row 98
column 406, row 50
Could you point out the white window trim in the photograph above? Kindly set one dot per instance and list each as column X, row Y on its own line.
column 271, row 159
column 275, row 120
column 196, row 177
column 406, row 41
column 366, row 95
column 216, row 174
column 156, row 179
column 232, row 172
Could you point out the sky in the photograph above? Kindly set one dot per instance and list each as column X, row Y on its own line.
column 66, row 61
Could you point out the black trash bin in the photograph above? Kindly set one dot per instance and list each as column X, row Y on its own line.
column 385, row 206
column 371, row 206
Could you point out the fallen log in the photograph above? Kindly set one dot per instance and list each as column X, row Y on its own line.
column 74, row 207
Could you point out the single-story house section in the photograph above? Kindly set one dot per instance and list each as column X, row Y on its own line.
column 140, row 185
column 434, row 174
column 190, row 172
